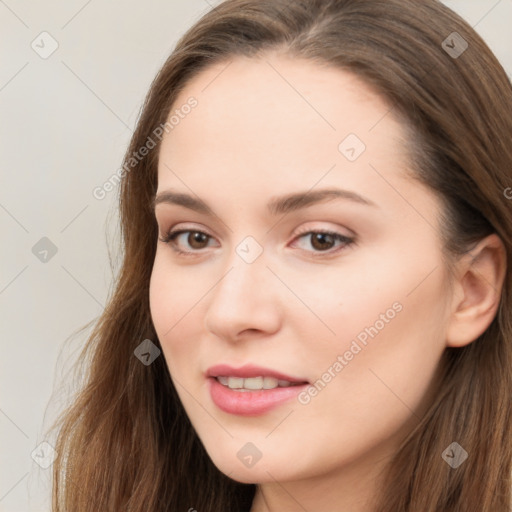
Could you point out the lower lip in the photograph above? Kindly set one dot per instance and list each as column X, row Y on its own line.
column 250, row 403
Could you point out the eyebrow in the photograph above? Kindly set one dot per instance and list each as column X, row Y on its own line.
column 276, row 206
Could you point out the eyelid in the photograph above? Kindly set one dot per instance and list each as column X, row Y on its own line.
column 346, row 240
column 315, row 229
column 301, row 231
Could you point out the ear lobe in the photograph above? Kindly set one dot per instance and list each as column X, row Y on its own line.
column 481, row 274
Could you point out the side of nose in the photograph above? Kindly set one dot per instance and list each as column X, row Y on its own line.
column 245, row 299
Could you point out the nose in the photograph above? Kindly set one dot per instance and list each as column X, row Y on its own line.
column 245, row 301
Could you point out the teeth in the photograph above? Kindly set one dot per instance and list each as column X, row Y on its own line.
column 223, row 380
column 270, row 382
column 235, row 382
column 253, row 383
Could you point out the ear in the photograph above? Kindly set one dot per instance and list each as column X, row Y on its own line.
column 477, row 291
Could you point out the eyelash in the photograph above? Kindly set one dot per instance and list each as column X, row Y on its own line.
column 171, row 236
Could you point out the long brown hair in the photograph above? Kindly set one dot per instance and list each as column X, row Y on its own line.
column 126, row 442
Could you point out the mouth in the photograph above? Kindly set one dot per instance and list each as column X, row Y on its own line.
column 254, row 383
column 251, row 390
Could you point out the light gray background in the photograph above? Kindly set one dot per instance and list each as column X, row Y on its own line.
column 65, row 123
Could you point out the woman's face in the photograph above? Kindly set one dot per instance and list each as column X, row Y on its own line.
column 359, row 315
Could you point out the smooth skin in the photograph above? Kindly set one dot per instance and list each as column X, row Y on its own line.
column 265, row 128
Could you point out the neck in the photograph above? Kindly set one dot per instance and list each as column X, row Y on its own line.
column 344, row 489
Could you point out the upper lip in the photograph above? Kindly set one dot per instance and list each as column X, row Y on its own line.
column 247, row 371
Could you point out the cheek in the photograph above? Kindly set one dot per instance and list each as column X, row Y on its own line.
column 385, row 333
column 393, row 369
column 377, row 392
column 358, row 300
column 173, row 292
column 173, row 301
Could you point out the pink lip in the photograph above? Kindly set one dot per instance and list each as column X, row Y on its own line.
column 250, row 403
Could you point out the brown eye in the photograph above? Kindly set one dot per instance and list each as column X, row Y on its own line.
column 322, row 241
column 196, row 238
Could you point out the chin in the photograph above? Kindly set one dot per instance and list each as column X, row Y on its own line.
column 259, row 473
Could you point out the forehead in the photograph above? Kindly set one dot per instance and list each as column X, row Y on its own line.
column 275, row 124
column 281, row 99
